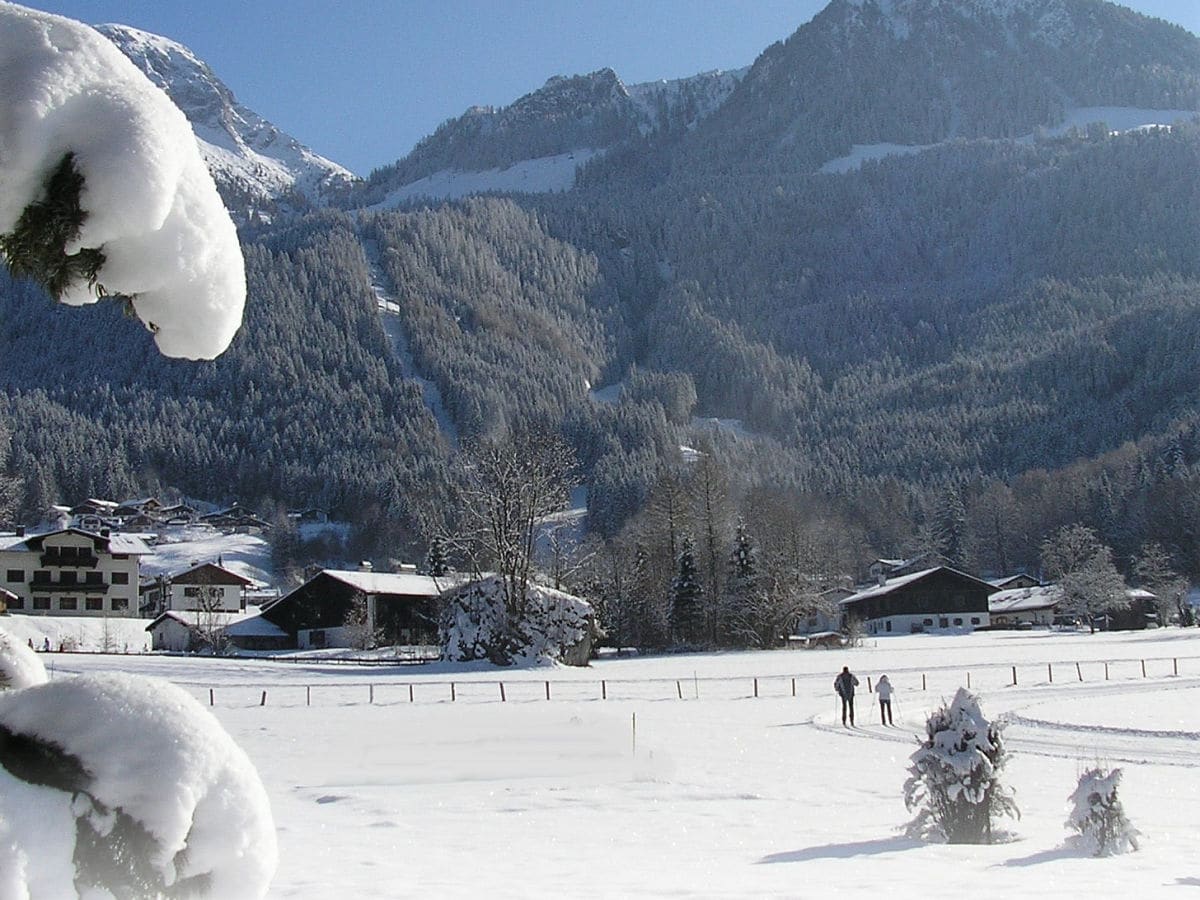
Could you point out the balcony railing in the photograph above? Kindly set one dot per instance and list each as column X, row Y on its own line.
column 79, row 562
column 58, row 587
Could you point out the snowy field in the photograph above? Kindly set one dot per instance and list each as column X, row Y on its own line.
column 399, row 782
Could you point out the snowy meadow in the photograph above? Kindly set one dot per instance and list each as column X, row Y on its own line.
column 669, row 776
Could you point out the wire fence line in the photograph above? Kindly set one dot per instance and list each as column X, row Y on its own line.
column 911, row 681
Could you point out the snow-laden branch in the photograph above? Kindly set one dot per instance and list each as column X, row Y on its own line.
column 151, row 214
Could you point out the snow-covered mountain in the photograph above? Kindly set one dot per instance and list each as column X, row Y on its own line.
column 255, row 165
column 918, row 72
column 536, row 143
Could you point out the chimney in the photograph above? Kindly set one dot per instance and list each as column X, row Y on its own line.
column 365, row 566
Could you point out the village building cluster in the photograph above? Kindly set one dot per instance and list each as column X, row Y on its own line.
column 90, row 565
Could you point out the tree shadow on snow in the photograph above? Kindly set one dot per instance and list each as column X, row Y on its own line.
column 844, row 851
column 1045, row 856
column 1188, row 882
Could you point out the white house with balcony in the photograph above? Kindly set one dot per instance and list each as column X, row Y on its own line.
column 72, row 572
column 207, row 587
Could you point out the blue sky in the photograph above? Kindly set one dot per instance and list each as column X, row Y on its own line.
column 360, row 81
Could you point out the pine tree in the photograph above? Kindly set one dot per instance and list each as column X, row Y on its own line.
column 436, row 562
column 954, row 780
column 36, row 247
column 1097, row 814
column 686, row 596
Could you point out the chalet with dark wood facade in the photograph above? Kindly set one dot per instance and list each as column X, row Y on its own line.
column 402, row 607
column 937, row 599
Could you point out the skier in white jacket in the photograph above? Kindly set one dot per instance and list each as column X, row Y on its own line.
column 884, row 689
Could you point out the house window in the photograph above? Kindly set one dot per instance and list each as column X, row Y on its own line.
column 94, row 604
column 42, row 575
column 120, row 604
column 957, row 620
column 67, row 555
column 94, row 578
column 16, row 603
column 120, row 578
column 943, row 622
column 15, row 576
column 191, row 592
column 927, row 622
column 68, row 603
column 974, row 620
column 120, row 556
column 41, row 602
column 888, row 626
column 66, row 577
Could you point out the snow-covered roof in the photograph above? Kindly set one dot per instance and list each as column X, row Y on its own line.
column 129, row 544
column 1007, row 580
column 1025, row 599
column 255, row 626
column 1140, row 594
column 244, row 622
column 879, row 590
column 389, row 582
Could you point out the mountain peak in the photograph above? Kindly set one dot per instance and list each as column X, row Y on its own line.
column 252, row 161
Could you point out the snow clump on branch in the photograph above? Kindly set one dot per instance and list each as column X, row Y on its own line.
column 148, row 210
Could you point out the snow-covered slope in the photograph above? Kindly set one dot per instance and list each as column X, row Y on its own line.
column 252, row 161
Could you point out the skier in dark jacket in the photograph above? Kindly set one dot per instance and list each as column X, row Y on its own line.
column 845, row 684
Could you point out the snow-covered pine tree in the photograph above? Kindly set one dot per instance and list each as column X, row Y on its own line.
column 954, row 781
column 686, row 594
column 437, row 564
column 1097, row 814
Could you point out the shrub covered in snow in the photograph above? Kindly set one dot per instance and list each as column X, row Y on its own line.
column 116, row 785
column 103, row 188
column 1097, row 815
column 20, row 667
column 476, row 625
column 954, row 780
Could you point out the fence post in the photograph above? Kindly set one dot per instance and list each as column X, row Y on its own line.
column 634, row 731
column 603, row 690
column 502, row 697
column 1143, row 668
column 547, row 690
column 679, row 689
column 1106, row 671
column 968, row 681
column 210, row 696
column 263, row 702
column 922, row 681
column 1014, row 676
column 1175, row 665
column 410, row 693
column 1050, row 672
column 793, row 687
column 1078, row 671
column 371, row 694
column 869, row 691
column 308, row 695
column 756, row 687
column 453, row 693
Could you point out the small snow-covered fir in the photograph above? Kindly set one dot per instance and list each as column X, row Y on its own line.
column 954, row 781
column 1098, row 817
